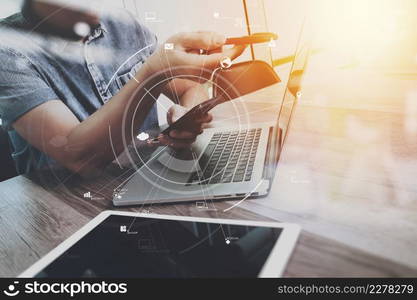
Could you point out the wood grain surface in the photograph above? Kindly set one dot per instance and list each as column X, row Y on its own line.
column 346, row 175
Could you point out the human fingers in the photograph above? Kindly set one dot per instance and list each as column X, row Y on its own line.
column 201, row 40
column 175, row 112
column 211, row 60
column 182, row 134
column 205, row 118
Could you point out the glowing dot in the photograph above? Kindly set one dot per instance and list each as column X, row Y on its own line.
column 119, row 197
column 227, row 242
column 299, row 94
column 226, row 62
column 11, row 287
column 216, row 15
column 143, row 136
column 169, row 46
column 82, row 29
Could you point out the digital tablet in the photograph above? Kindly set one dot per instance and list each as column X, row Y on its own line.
column 132, row 245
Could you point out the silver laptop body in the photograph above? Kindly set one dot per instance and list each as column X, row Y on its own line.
column 223, row 163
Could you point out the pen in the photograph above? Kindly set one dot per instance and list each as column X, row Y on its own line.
column 255, row 38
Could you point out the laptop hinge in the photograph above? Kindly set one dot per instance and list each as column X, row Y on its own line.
column 272, row 153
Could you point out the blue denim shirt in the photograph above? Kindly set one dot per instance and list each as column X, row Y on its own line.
column 35, row 69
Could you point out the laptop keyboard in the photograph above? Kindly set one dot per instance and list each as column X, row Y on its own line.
column 229, row 157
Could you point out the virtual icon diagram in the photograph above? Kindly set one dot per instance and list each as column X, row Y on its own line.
column 12, row 290
column 150, row 16
column 226, row 62
column 143, row 136
column 169, row 46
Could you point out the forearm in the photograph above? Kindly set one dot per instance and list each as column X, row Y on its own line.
column 185, row 92
column 194, row 95
column 122, row 113
column 87, row 146
column 106, row 132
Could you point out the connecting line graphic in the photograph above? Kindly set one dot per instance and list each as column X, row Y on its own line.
column 160, row 178
column 124, row 181
column 217, row 215
column 177, row 98
column 113, row 180
column 202, row 240
column 130, row 226
column 246, row 197
column 193, row 153
column 136, row 8
column 148, row 195
column 121, row 66
column 116, row 178
column 149, row 192
column 201, row 72
column 45, row 19
column 200, row 176
column 205, row 199
column 76, row 171
column 112, row 148
column 246, row 114
column 156, row 100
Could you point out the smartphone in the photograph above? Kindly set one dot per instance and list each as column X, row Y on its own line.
column 241, row 79
column 256, row 38
column 187, row 120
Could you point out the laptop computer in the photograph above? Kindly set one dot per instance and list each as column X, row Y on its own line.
column 223, row 163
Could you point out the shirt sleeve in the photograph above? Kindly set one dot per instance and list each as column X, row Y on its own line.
column 147, row 37
column 22, row 87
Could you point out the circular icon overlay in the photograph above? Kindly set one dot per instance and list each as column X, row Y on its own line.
column 183, row 169
column 226, row 62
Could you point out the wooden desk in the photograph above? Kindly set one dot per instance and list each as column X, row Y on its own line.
column 347, row 176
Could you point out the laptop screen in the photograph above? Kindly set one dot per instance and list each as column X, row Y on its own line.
column 293, row 89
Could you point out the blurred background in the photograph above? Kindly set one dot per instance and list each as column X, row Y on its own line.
column 360, row 90
column 361, row 45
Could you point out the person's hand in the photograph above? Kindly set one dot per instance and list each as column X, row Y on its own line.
column 195, row 54
column 183, row 138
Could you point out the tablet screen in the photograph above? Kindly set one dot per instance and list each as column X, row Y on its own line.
column 125, row 246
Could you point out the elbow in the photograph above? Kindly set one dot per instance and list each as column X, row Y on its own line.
column 85, row 170
column 86, row 165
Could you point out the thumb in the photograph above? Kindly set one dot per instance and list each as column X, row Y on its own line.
column 202, row 40
column 175, row 112
column 235, row 52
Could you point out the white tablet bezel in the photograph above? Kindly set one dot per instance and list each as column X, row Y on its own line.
column 273, row 267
